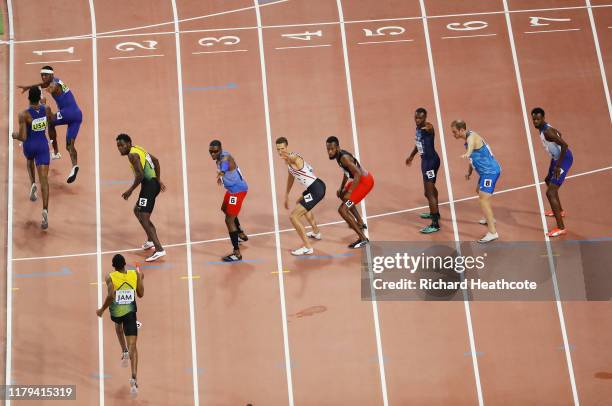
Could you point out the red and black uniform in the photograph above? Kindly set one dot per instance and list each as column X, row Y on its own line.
column 366, row 182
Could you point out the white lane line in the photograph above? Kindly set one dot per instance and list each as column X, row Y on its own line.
column 305, row 46
column 602, row 69
column 534, row 169
column 49, row 62
column 545, row 31
column 94, row 55
column 136, row 56
column 385, row 42
column 9, row 209
column 331, row 223
column 466, row 303
column 277, row 242
column 349, row 88
column 184, row 172
column 218, row 52
column 469, row 36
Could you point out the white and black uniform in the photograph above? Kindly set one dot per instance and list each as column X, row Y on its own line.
column 315, row 187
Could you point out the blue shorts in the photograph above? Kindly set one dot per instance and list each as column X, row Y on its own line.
column 566, row 164
column 487, row 182
column 72, row 118
column 429, row 168
column 38, row 150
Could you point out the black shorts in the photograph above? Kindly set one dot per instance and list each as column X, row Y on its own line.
column 429, row 168
column 129, row 323
column 313, row 194
column 149, row 189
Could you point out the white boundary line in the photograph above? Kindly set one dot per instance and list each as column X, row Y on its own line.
column 466, row 303
column 9, row 209
column 305, row 46
column 114, row 34
column 136, row 56
column 602, row 69
column 50, row 62
column 385, row 42
column 545, row 31
column 218, row 52
column 349, row 88
column 332, row 223
column 534, row 168
column 94, row 55
column 179, row 76
column 469, row 36
column 277, row 242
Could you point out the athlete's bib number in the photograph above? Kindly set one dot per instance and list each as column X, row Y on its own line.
column 430, row 174
column 64, row 86
column 233, row 200
column 308, row 198
column 58, row 115
column 124, row 297
column 142, row 202
column 419, row 146
column 39, row 124
column 487, row 182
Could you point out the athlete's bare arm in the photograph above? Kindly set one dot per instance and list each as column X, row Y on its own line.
column 138, row 174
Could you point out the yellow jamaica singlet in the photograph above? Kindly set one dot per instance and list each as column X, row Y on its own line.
column 145, row 160
column 125, row 284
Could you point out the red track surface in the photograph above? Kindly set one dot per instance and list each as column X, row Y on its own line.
column 238, row 315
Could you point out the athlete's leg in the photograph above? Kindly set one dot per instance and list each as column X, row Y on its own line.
column 53, row 138
column 311, row 220
column 232, row 229
column 357, row 216
column 31, row 172
column 484, row 199
column 345, row 213
column 131, row 344
column 72, row 151
column 150, row 230
column 121, row 337
column 552, row 193
column 43, row 177
column 295, row 218
column 431, row 193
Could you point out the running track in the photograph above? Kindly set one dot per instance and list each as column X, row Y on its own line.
column 280, row 330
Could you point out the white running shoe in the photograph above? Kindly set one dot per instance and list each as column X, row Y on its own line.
column 302, row 251
column 125, row 359
column 33, row 194
column 45, row 222
column 133, row 387
column 73, row 174
column 148, row 245
column 138, row 324
column 488, row 238
column 316, row 236
column 56, row 156
column 156, row 255
column 483, row 221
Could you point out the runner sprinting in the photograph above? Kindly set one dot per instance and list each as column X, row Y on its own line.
column 122, row 288
column 33, row 124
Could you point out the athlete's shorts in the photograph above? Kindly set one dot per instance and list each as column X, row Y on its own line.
column 37, row 150
column 313, row 194
column 129, row 323
column 566, row 164
column 429, row 168
column 233, row 202
column 149, row 189
column 72, row 118
column 487, row 182
column 366, row 183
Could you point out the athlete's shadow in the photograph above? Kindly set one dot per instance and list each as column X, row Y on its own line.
column 304, row 267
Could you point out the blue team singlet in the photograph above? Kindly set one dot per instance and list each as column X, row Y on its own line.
column 482, row 159
column 65, row 100
column 232, row 180
column 425, row 144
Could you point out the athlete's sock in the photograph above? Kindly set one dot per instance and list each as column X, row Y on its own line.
column 234, row 237
column 237, row 223
column 434, row 219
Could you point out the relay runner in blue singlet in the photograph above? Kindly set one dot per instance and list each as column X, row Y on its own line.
column 482, row 160
column 230, row 177
column 33, row 124
column 430, row 163
column 68, row 114
column 560, row 164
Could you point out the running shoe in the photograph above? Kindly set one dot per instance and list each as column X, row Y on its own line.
column 243, row 237
column 302, row 251
column 45, row 221
column 550, row 213
column 133, row 387
column 483, row 221
column 316, row 236
column 359, row 244
column 56, row 156
column 33, row 194
column 488, row 238
column 556, row 232
column 156, row 255
column 429, row 229
column 232, row 258
column 73, row 174
column 125, row 359
column 148, row 245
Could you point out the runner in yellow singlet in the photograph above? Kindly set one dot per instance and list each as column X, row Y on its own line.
column 123, row 287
